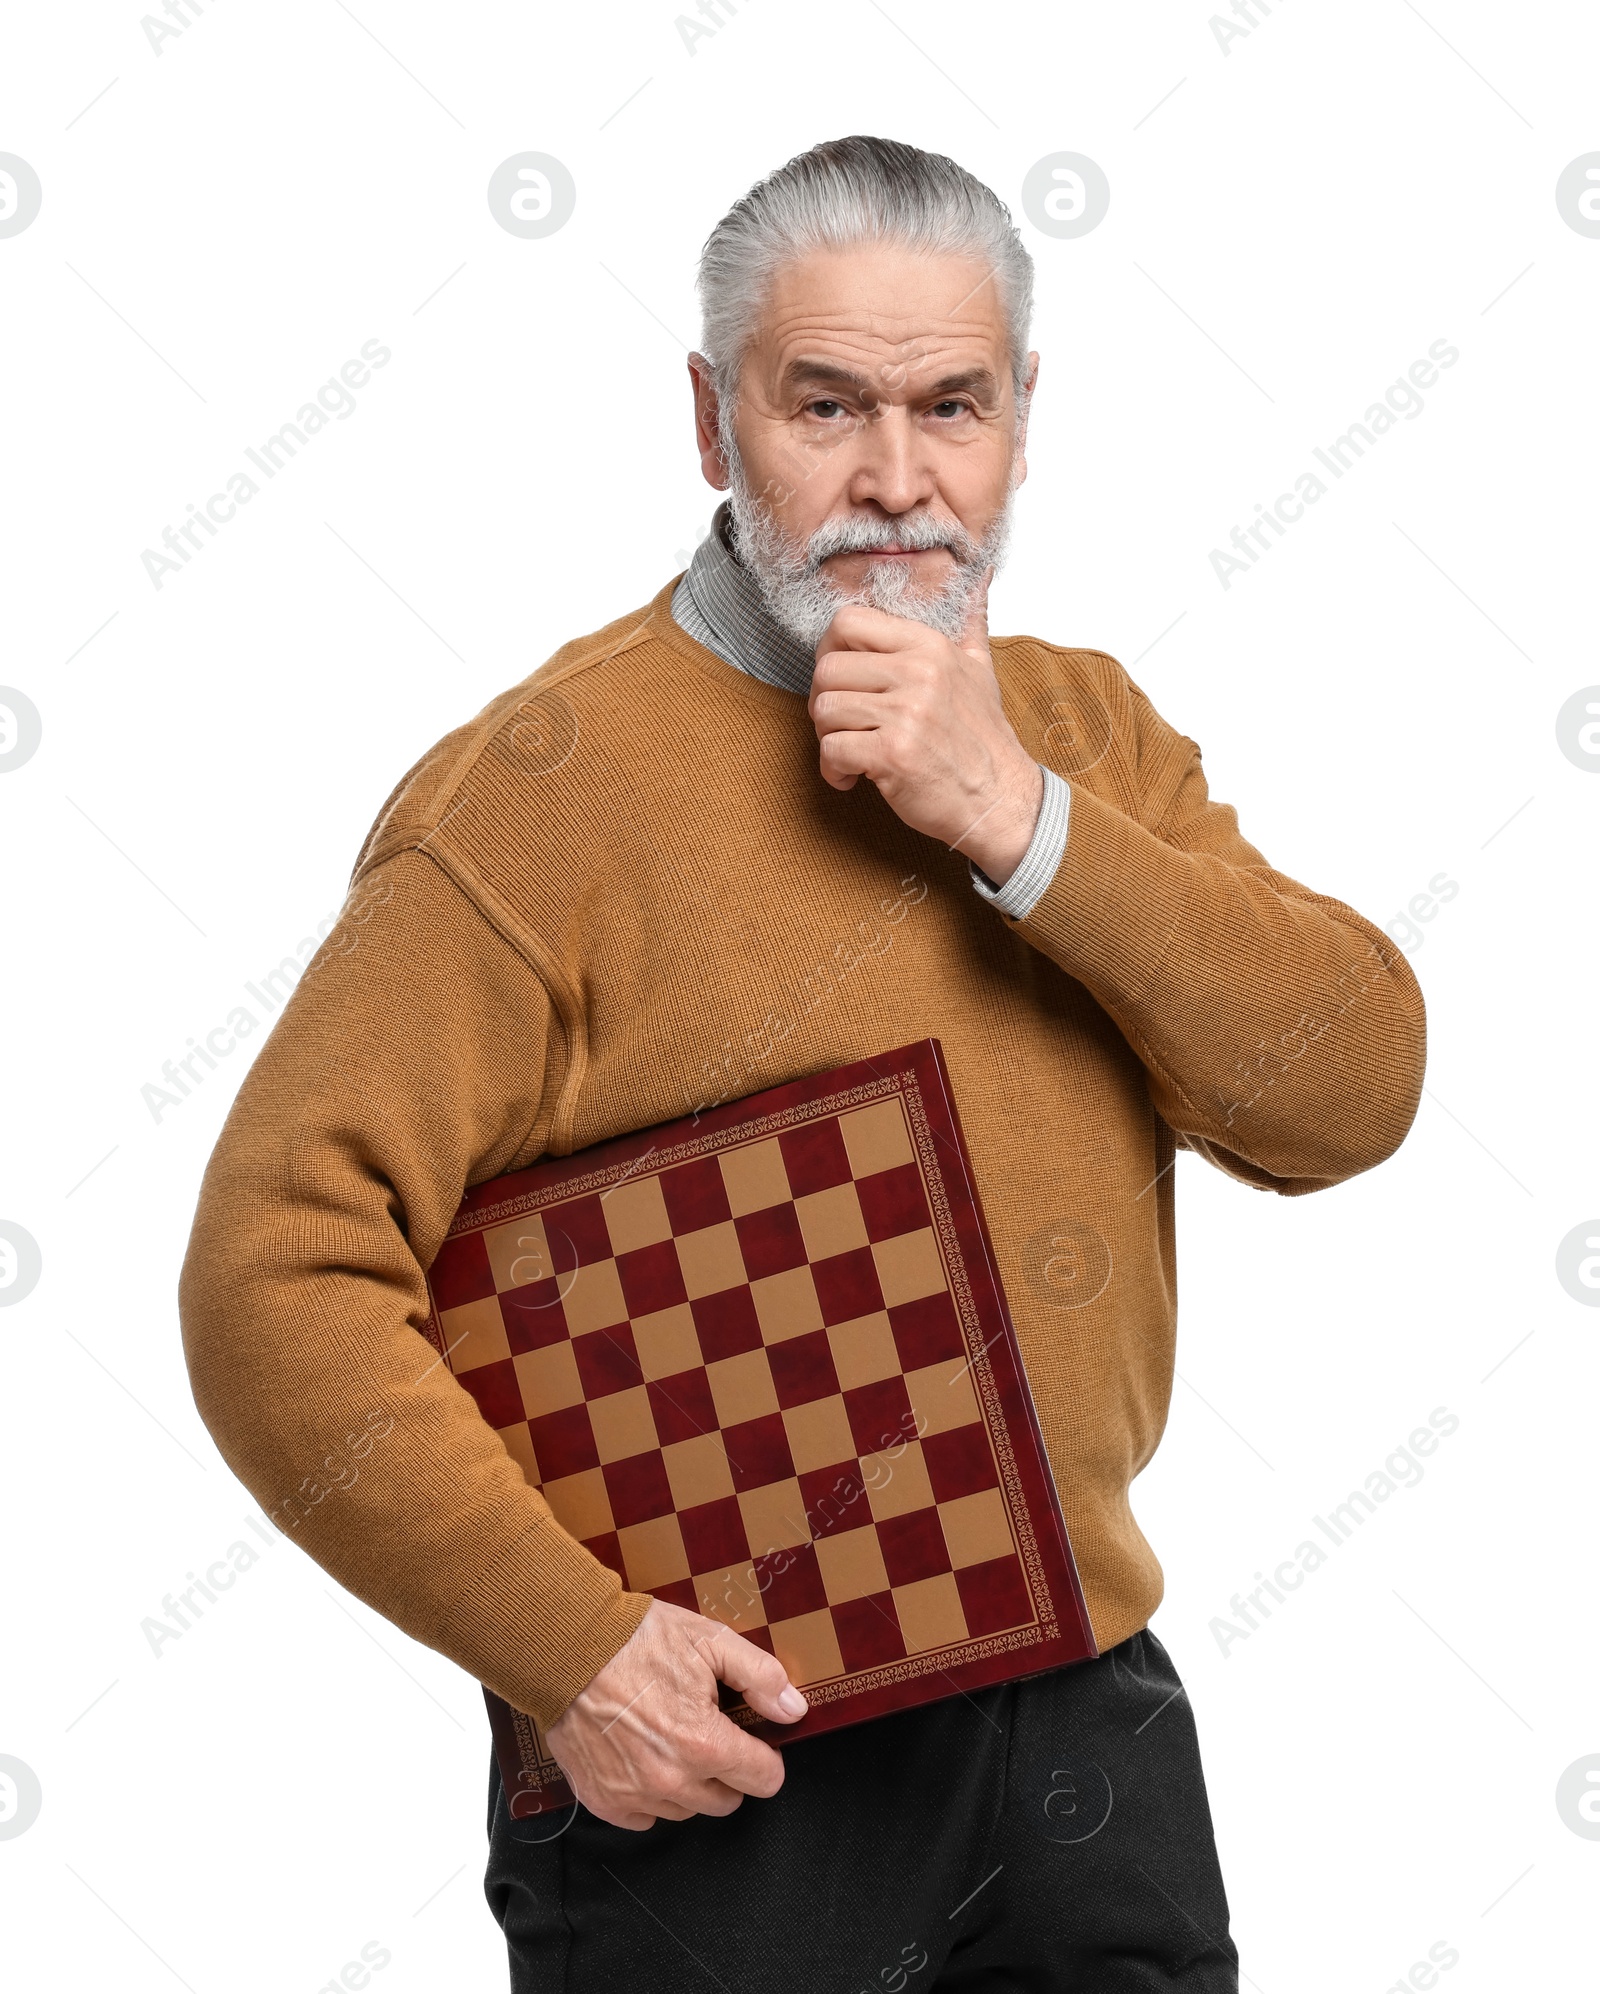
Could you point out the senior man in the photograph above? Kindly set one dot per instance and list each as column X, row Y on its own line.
column 650, row 877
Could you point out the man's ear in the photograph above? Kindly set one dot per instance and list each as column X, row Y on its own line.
column 706, row 411
column 1029, row 381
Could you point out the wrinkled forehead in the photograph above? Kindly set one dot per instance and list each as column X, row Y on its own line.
column 896, row 318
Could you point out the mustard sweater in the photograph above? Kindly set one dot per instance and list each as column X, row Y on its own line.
column 624, row 892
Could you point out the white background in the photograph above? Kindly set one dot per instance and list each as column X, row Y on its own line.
column 1292, row 223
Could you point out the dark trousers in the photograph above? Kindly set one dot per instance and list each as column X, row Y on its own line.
column 1049, row 1835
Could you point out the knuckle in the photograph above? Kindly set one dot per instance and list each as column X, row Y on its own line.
column 700, row 1737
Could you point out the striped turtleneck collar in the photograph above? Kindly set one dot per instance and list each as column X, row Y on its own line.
column 720, row 605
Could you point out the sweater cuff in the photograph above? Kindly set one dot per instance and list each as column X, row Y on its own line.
column 1040, row 862
column 539, row 1624
column 1110, row 913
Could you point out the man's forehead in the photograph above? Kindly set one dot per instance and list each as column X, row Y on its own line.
column 874, row 306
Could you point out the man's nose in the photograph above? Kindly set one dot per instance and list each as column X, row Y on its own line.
column 892, row 465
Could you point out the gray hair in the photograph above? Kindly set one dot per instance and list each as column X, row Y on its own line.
column 844, row 192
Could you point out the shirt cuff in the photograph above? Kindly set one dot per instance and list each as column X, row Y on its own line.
column 1022, row 891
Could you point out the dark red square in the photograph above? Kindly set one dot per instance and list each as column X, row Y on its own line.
column 868, row 1631
column 576, row 1233
column 791, row 1582
column 532, row 1316
column 959, row 1462
column 880, row 1415
column 847, row 1285
column 460, row 1272
column 770, row 1241
column 608, row 1550
column 758, row 1451
column 762, row 1638
column 638, row 1488
column 695, row 1195
column 607, row 1361
column 835, row 1499
column 814, row 1156
column 913, row 1547
column 893, row 1201
column 926, row 1331
column 681, row 1406
column 802, row 1369
column 727, row 1323
column 563, row 1443
column 651, row 1278
column 678, row 1592
column 994, row 1596
column 497, row 1392
column 714, row 1535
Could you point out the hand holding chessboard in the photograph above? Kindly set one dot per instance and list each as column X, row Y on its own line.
column 759, row 1362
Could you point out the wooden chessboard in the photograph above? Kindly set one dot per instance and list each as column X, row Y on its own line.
column 759, row 1362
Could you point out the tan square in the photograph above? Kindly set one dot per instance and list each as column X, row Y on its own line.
column 667, row 1342
column 851, row 1562
column 741, row 1387
column 754, row 1177
column 808, row 1647
column 519, row 1253
column 591, row 1298
column 831, row 1221
column 786, row 1304
column 909, row 1267
column 930, row 1613
column 653, row 1553
column 581, row 1503
column 548, row 1378
column 732, row 1596
column 474, row 1334
column 897, row 1483
column 876, row 1138
column 976, row 1528
column 519, row 1445
column 774, row 1516
column 942, row 1396
column 622, row 1424
column 697, row 1470
column 863, row 1350
column 635, row 1214
column 710, row 1260
column 819, row 1435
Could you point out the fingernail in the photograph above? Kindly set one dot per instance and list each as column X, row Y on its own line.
column 792, row 1703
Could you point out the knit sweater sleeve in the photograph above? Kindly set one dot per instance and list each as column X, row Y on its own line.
column 419, row 1054
column 1283, row 1035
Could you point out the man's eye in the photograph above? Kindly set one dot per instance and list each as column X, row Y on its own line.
column 826, row 409
column 948, row 409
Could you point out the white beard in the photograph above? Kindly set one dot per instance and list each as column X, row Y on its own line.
column 804, row 600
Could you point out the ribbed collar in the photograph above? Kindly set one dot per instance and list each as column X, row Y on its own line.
column 720, row 605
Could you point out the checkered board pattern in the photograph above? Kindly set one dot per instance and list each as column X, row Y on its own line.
column 748, row 1365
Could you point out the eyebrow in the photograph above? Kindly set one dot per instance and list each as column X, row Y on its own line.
column 829, row 374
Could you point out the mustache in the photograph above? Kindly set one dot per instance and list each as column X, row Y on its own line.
column 857, row 533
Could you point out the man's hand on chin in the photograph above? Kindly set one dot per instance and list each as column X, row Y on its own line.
column 646, row 1741
column 898, row 702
